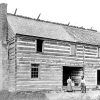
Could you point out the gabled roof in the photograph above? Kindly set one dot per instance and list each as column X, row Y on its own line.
column 39, row 28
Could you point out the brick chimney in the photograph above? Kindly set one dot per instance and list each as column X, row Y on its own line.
column 3, row 47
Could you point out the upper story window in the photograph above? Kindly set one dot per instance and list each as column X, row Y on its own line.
column 73, row 49
column 39, row 45
column 34, row 70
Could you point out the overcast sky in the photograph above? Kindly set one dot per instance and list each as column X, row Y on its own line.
column 84, row 13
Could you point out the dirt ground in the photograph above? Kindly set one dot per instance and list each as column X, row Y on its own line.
column 77, row 95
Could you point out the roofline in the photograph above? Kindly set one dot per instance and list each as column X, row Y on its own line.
column 52, row 22
column 58, row 40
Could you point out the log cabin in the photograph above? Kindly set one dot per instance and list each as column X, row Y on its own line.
column 40, row 55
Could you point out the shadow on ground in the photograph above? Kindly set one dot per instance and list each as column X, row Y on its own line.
column 5, row 95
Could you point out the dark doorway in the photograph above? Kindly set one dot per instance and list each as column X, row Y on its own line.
column 74, row 72
column 39, row 45
column 98, row 77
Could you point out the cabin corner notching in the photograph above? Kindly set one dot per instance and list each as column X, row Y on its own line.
column 42, row 55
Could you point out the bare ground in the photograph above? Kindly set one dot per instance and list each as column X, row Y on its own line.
column 77, row 95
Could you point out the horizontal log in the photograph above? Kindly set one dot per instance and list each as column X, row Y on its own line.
column 39, row 85
column 56, row 53
column 24, row 43
column 37, row 88
column 45, row 78
column 56, row 50
column 26, row 38
column 90, row 47
column 26, row 51
column 56, row 60
column 79, row 53
column 90, row 54
column 56, row 46
column 57, row 43
column 26, row 48
column 79, row 50
column 91, row 51
column 38, row 82
column 79, row 46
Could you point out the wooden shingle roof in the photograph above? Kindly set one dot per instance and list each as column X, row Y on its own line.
column 39, row 28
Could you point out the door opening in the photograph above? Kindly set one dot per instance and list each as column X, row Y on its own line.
column 74, row 72
column 98, row 77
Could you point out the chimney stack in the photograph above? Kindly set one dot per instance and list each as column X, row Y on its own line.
column 3, row 22
column 3, row 47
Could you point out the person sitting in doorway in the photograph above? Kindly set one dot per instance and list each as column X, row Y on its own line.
column 69, row 85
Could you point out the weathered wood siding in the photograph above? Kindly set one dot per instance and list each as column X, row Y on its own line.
column 91, row 60
column 56, row 48
column 89, row 55
column 49, row 74
column 91, row 51
column 55, row 55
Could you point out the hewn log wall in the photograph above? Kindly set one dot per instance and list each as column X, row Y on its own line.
column 56, row 48
column 91, row 51
column 55, row 55
column 89, row 55
column 49, row 74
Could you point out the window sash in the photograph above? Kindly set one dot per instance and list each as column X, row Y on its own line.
column 34, row 70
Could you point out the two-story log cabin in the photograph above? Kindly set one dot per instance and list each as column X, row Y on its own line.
column 41, row 55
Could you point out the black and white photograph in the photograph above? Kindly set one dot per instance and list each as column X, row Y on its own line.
column 49, row 50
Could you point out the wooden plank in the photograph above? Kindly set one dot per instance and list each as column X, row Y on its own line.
column 33, row 43
column 26, row 51
column 26, row 48
column 56, row 49
column 57, row 46
column 91, row 47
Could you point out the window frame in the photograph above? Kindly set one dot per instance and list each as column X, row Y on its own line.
column 37, row 46
column 32, row 65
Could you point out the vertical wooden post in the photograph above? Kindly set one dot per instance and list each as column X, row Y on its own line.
column 83, row 59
